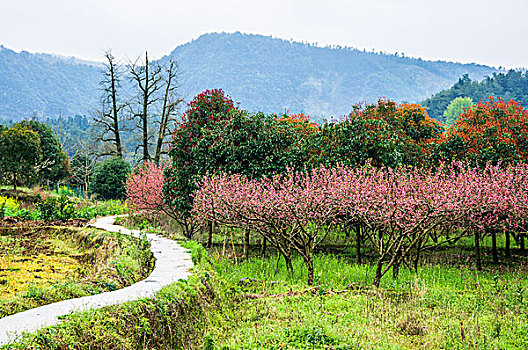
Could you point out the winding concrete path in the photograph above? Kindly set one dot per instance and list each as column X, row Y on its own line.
column 172, row 264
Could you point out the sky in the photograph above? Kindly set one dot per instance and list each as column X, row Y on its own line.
column 481, row 31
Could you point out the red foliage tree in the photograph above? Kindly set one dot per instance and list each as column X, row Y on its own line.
column 493, row 131
column 300, row 122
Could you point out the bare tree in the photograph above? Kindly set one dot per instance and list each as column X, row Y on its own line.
column 148, row 78
column 169, row 109
column 82, row 164
column 156, row 103
column 108, row 120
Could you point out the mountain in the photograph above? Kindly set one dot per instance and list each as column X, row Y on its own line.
column 260, row 72
column 46, row 85
column 267, row 74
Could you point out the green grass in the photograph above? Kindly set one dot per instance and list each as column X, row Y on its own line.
column 257, row 304
column 440, row 307
column 89, row 210
column 27, row 201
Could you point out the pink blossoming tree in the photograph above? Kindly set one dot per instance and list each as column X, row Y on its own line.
column 400, row 211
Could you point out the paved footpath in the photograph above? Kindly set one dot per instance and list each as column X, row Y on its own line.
column 172, row 264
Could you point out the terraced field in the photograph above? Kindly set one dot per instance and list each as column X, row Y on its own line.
column 39, row 266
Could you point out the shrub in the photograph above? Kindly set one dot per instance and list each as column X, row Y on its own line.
column 8, row 206
column 65, row 190
column 108, row 180
column 54, row 208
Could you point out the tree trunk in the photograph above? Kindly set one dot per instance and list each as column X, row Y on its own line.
column 210, row 237
column 165, row 111
column 358, row 244
column 521, row 242
column 494, row 246
column 115, row 115
column 396, row 264
column 395, row 270
column 144, row 117
column 246, row 243
column 310, row 271
column 263, row 246
column 507, row 245
column 477, row 250
column 377, row 278
column 289, row 265
column 417, row 258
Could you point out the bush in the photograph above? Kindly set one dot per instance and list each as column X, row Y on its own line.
column 53, row 208
column 8, row 206
column 108, row 180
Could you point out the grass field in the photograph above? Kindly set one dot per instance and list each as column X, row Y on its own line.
column 257, row 304
column 440, row 307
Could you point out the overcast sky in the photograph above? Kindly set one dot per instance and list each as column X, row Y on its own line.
column 482, row 31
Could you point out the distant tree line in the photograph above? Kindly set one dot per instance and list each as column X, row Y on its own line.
column 508, row 86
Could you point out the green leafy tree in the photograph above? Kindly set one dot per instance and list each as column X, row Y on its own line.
column 54, row 165
column 206, row 109
column 108, row 180
column 253, row 145
column 19, row 154
column 456, row 108
column 355, row 141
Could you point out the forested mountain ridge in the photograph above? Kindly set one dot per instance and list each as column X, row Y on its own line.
column 46, row 85
column 262, row 73
column 267, row 74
